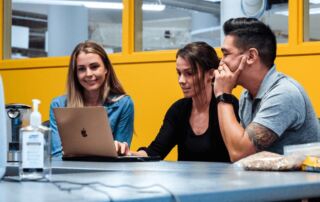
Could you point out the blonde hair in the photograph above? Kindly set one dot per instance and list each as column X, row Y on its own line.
column 75, row 91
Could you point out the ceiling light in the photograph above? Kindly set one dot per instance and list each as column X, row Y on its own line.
column 314, row 11
column 103, row 5
column 153, row 7
column 285, row 13
column 49, row 2
column 314, row 1
column 213, row 0
column 91, row 4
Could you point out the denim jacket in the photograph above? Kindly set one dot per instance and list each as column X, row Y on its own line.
column 120, row 114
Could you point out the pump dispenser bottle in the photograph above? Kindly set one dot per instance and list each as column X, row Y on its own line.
column 35, row 147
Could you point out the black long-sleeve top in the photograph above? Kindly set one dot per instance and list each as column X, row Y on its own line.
column 176, row 130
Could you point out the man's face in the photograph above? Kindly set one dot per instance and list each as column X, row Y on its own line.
column 231, row 54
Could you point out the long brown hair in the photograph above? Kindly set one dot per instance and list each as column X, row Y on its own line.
column 75, row 91
column 200, row 56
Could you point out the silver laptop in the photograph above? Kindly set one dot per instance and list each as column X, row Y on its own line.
column 86, row 135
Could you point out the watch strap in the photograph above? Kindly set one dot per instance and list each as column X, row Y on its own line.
column 226, row 98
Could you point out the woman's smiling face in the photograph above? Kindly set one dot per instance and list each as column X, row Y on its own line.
column 91, row 71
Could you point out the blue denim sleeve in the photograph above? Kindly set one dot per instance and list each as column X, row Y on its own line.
column 56, row 148
column 124, row 130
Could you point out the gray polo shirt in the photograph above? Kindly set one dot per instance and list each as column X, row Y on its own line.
column 283, row 106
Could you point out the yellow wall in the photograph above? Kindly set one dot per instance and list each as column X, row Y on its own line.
column 150, row 77
column 152, row 85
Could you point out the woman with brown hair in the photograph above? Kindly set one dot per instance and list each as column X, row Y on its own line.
column 92, row 82
column 192, row 123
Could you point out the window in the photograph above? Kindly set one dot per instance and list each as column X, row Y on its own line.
column 44, row 28
column 170, row 24
column 311, row 20
column 54, row 27
column 276, row 16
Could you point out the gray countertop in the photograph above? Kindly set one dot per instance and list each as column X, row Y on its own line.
column 158, row 181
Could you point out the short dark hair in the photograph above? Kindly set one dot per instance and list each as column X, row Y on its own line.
column 252, row 33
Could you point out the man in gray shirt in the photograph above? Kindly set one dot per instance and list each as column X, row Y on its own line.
column 274, row 109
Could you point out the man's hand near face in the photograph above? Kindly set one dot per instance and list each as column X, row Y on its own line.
column 225, row 79
column 235, row 138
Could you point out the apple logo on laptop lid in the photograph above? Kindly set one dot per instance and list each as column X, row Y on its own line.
column 84, row 133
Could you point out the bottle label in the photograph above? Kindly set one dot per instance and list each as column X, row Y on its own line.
column 32, row 149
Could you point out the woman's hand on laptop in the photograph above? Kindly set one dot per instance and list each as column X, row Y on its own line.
column 139, row 153
column 122, row 148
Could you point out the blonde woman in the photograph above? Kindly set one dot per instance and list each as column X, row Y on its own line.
column 92, row 82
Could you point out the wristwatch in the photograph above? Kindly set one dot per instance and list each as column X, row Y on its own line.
column 225, row 97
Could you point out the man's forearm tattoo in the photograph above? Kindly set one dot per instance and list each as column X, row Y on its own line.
column 261, row 136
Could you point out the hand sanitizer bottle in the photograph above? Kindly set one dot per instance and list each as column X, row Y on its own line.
column 35, row 146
